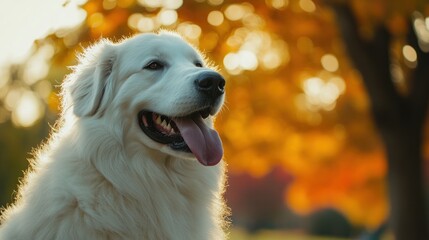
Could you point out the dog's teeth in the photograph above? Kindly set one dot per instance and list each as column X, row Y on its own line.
column 158, row 120
column 172, row 131
column 145, row 121
column 163, row 123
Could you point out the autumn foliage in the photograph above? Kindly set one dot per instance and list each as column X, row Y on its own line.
column 293, row 99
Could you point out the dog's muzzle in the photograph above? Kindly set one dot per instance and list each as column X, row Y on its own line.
column 189, row 133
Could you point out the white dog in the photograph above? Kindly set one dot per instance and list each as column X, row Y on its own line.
column 135, row 155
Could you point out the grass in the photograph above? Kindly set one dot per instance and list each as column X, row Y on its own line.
column 239, row 234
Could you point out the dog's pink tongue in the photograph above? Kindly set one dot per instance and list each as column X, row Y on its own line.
column 203, row 141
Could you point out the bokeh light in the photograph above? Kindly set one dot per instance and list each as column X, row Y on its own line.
column 322, row 95
column 190, row 31
column 329, row 62
column 215, row 18
column 27, row 109
column 410, row 55
column 235, row 12
column 277, row 4
column 307, row 5
column 215, row 2
column 146, row 24
column 167, row 17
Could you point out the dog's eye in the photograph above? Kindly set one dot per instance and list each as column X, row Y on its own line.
column 198, row 64
column 154, row 65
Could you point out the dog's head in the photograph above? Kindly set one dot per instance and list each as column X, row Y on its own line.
column 157, row 88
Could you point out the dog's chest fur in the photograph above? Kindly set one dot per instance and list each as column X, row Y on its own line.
column 100, row 191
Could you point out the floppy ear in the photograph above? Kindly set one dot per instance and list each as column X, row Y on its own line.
column 85, row 86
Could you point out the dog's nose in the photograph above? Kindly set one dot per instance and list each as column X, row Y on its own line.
column 210, row 83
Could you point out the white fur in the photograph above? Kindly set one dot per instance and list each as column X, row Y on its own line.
column 99, row 176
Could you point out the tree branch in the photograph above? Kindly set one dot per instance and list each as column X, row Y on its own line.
column 372, row 59
column 419, row 92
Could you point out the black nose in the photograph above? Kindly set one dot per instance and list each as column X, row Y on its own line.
column 210, row 83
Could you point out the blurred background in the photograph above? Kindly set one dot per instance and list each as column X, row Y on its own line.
column 306, row 159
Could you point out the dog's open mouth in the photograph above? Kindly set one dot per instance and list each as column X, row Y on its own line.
column 188, row 134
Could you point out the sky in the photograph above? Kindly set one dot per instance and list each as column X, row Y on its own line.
column 23, row 21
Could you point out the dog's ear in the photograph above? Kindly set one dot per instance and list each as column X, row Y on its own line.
column 84, row 88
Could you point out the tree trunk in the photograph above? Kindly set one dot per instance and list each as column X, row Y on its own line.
column 405, row 182
column 399, row 119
